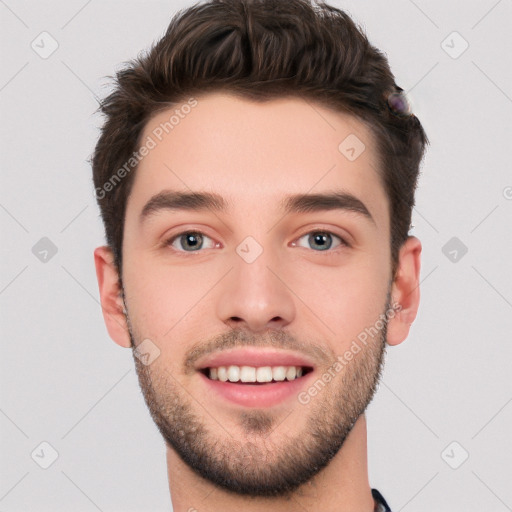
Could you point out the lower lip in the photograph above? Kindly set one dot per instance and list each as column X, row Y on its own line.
column 257, row 395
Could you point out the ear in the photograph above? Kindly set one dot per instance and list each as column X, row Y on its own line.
column 405, row 291
column 110, row 296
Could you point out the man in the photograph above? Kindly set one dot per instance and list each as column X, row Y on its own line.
column 256, row 175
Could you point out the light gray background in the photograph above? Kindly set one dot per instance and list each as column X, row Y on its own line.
column 65, row 382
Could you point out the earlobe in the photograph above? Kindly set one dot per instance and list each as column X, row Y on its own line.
column 405, row 291
column 110, row 296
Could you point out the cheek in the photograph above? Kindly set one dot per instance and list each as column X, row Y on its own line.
column 165, row 298
column 346, row 300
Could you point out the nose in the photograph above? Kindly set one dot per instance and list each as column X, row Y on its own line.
column 256, row 295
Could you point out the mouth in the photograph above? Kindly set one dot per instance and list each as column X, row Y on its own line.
column 255, row 386
column 255, row 375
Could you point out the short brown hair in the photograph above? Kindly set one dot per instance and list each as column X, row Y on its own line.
column 260, row 49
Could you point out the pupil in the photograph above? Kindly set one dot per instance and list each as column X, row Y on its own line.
column 321, row 239
column 193, row 239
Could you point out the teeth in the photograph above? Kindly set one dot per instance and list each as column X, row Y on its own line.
column 264, row 374
column 247, row 374
column 279, row 373
column 291, row 372
column 233, row 374
column 255, row 374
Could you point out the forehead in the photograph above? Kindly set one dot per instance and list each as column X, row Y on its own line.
column 254, row 154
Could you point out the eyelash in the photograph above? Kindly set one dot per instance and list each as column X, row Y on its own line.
column 343, row 242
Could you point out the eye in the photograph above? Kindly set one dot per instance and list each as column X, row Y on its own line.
column 190, row 241
column 194, row 241
column 321, row 240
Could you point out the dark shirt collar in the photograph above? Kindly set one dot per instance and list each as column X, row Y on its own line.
column 380, row 502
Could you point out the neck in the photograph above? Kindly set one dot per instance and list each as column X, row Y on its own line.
column 340, row 487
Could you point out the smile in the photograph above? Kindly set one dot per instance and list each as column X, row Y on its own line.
column 255, row 374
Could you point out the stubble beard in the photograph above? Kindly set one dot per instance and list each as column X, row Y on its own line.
column 266, row 460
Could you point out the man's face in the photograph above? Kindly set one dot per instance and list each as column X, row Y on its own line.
column 256, row 285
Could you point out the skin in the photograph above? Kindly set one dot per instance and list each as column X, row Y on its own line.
column 254, row 154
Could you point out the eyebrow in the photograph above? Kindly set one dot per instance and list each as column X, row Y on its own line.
column 299, row 203
column 305, row 203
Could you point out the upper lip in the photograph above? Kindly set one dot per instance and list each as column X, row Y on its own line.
column 253, row 357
